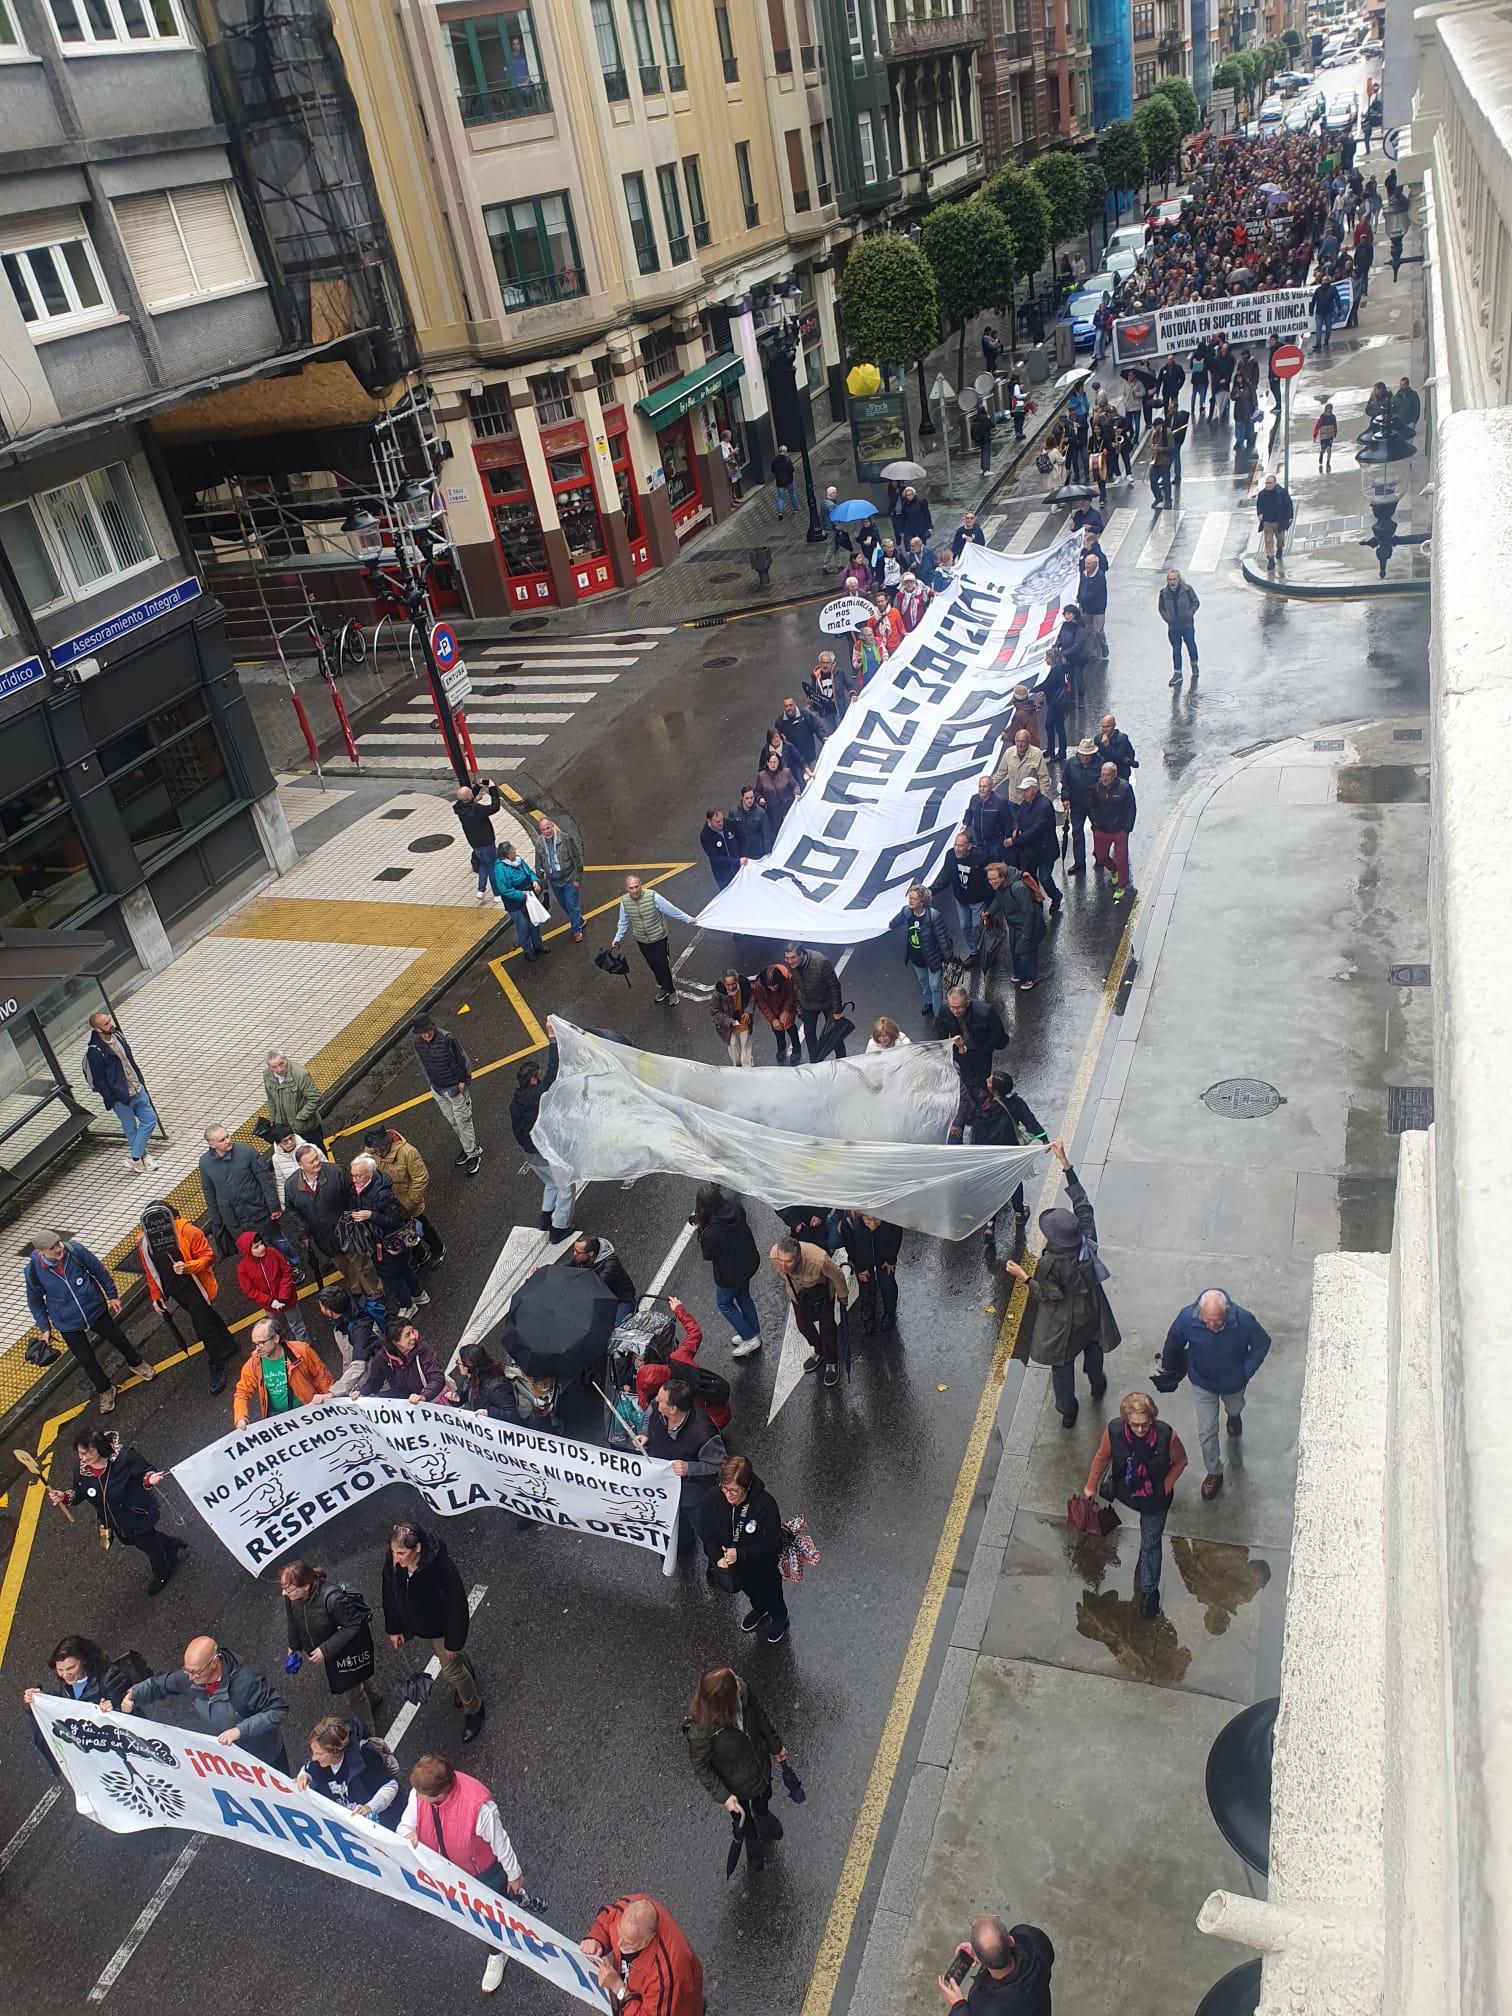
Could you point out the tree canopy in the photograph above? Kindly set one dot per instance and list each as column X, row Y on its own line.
column 1064, row 181
column 889, row 310
column 1026, row 208
column 969, row 250
column 1160, row 129
column 1183, row 102
column 1121, row 153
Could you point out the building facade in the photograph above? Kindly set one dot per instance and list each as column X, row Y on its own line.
column 1163, row 40
column 935, row 86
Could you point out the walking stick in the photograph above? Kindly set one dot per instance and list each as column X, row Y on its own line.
column 30, row 1463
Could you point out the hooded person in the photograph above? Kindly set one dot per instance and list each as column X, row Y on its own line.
column 725, row 1241
column 1070, row 1315
column 358, row 1334
column 178, row 1265
column 266, row 1278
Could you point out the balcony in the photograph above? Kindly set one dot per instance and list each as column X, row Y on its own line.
column 677, row 77
column 539, row 290
column 650, row 80
column 504, row 101
column 679, row 251
column 646, row 258
column 1171, row 41
column 616, row 86
column 701, row 233
column 918, row 31
column 732, row 69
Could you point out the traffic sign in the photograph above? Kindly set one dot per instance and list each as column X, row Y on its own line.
column 456, row 685
column 1286, row 360
column 444, row 645
column 941, row 388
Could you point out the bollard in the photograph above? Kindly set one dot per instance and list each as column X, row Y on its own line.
column 761, row 560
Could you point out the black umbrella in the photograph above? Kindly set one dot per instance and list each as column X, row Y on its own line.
column 1070, row 493
column 559, row 1321
column 1146, row 378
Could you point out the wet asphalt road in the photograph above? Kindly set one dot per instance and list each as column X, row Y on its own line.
column 586, row 1655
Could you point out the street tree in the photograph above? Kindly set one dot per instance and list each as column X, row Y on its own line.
column 1160, row 130
column 1096, row 211
column 969, row 249
column 1122, row 158
column 1026, row 209
column 1183, row 102
column 1064, row 181
column 889, row 310
column 1228, row 76
column 1293, row 41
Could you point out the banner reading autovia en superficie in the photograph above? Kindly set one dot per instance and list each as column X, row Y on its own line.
column 129, row 1774
column 262, row 1488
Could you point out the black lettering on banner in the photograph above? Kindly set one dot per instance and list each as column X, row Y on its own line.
column 875, row 727
column 828, row 866
column 901, row 865
column 953, row 740
column 838, row 825
column 930, row 660
column 990, row 702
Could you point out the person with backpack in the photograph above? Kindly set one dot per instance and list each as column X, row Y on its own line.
column 71, row 1292
column 725, row 1241
column 329, row 1625
column 350, row 1766
column 672, row 1355
column 1013, row 916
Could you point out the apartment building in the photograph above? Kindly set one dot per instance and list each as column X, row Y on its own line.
column 1162, row 32
column 935, row 87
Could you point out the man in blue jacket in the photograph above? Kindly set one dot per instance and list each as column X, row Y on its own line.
column 70, row 1291
column 926, row 947
column 113, row 1073
column 1219, row 1348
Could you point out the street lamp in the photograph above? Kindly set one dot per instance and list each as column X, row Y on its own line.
column 363, row 534
column 1385, row 459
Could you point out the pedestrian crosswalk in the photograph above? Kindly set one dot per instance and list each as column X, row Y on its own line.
column 520, row 694
column 1196, row 542
column 1162, row 538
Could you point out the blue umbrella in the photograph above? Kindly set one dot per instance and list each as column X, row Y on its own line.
column 853, row 512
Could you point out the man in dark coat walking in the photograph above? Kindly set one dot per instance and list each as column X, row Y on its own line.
column 240, row 1193
column 873, row 1246
column 1079, row 778
column 1070, row 1315
column 1033, row 846
column 816, row 994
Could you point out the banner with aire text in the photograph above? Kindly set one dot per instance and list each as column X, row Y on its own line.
column 892, row 783
column 263, row 1487
column 128, row 1774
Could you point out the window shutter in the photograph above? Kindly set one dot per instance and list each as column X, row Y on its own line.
column 211, row 232
column 154, row 249
column 40, row 227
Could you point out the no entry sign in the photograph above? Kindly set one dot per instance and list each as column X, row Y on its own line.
column 1287, row 360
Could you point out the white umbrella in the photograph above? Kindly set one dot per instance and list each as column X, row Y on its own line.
column 1073, row 377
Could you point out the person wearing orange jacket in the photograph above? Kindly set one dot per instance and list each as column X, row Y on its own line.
column 281, row 1374
column 644, row 1962
column 178, row 1265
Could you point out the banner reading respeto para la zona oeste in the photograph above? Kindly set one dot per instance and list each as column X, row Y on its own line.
column 262, row 1488
column 130, row 1775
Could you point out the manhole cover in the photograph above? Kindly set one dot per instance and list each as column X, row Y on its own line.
column 530, row 623
column 723, row 577
column 1330, row 744
column 1411, row 976
column 392, row 874
column 431, row 843
column 1242, row 1098
column 399, row 812
column 711, row 662
column 1409, row 1108
column 1406, row 734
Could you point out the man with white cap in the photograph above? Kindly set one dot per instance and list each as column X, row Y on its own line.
column 1031, row 847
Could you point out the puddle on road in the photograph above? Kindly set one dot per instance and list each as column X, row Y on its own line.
column 1223, row 1579
column 1382, row 784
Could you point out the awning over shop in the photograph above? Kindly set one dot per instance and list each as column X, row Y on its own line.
column 33, row 962
column 670, row 402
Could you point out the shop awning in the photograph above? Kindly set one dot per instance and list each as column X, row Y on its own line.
column 669, row 402
column 33, row 962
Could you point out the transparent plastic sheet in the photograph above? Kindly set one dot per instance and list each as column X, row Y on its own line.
column 864, row 1134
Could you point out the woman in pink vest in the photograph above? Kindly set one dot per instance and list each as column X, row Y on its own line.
column 458, row 1817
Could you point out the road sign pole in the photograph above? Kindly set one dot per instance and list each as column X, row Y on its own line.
column 1286, row 385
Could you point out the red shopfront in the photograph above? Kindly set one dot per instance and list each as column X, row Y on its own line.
column 530, row 578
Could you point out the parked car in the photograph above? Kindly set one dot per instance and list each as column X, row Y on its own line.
column 1084, row 304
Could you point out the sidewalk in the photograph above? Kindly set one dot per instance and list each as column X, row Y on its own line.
column 1324, row 557
column 326, row 963
column 1060, row 1777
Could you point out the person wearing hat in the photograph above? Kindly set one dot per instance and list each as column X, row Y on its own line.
column 913, row 600
column 1079, row 779
column 409, row 1179
column 1031, row 847
column 1027, row 708
column 1070, row 1316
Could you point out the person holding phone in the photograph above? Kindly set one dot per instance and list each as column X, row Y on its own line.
column 1012, row 1971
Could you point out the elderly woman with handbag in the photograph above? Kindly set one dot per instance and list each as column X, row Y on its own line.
column 732, row 1744
column 329, row 1625
column 1145, row 1458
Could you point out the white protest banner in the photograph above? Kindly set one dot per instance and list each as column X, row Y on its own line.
column 263, row 1487
column 1249, row 321
column 129, row 1775
column 838, row 619
column 892, row 782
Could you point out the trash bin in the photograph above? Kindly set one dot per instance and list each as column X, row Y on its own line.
column 761, row 560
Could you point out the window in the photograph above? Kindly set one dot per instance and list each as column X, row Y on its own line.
column 645, row 55
column 1144, row 79
column 678, row 248
column 535, row 250
column 75, row 539
column 167, row 777
column 114, row 24
column 11, row 44
column 821, row 171
column 782, row 54
column 1144, row 20
column 659, row 358
column 805, row 34
column 747, row 192
column 604, row 381
column 853, row 36
column 797, row 169
column 53, row 272
column 726, row 45
column 642, row 231
column 868, row 147
column 693, row 180
column 677, row 76
column 44, row 872
column 186, row 244
column 551, row 395
column 490, row 412
column 606, row 36
column 498, row 67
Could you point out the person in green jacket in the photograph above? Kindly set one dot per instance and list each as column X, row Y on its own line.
column 293, row 1100
column 731, row 1746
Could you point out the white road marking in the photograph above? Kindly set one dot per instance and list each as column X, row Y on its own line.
column 27, row 1828
column 1117, row 529
column 528, row 682
column 1162, row 537
column 115, row 1966
column 523, row 1251
column 993, row 525
column 615, row 653
column 379, row 737
column 1038, row 525
column 435, row 760
column 789, row 1367
column 554, row 665
column 1208, row 551
column 401, row 1722
column 663, row 1273
column 475, row 712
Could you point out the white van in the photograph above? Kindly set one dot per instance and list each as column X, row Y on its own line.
column 1127, row 238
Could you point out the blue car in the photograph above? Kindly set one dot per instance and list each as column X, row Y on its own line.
column 1084, row 304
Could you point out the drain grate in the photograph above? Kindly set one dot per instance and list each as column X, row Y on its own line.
column 1409, row 1108
column 712, row 662
column 1254, row 748
column 392, row 874
column 1411, row 976
column 431, row 843
column 1242, row 1098
column 1330, row 744
column 707, row 623
column 400, row 812
column 1406, row 734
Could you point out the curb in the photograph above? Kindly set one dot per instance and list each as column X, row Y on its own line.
column 1299, row 591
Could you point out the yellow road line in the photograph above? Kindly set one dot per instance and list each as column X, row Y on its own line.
column 518, row 1002
column 846, row 1903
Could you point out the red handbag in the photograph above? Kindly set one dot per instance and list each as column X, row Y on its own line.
column 1090, row 1515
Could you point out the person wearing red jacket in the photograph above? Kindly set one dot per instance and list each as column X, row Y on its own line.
column 656, row 1371
column 266, row 1278
column 645, row 1964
